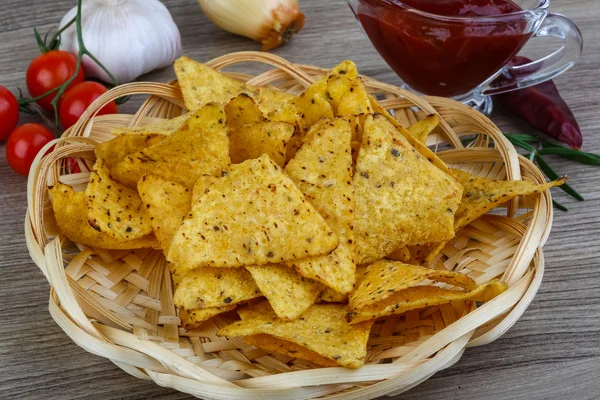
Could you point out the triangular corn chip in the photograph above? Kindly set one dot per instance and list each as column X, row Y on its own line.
column 401, row 198
column 271, row 99
column 337, row 86
column 322, row 329
column 355, row 101
column 164, row 127
column 202, row 183
column 242, row 110
column 289, row 293
column 420, row 130
column 120, row 147
column 201, row 84
column 382, row 279
column 193, row 319
column 166, row 203
column 272, row 344
column 322, row 170
column 255, row 215
column 424, row 296
column 200, row 146
column 70, row 213
column 113, row 208
column 215, row 287
column 252, row 141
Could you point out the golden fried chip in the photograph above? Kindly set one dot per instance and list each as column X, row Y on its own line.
column 288, row 112
column 322, row 170
column 201, row 84
column 402, row 254
column 193, row 319
column 355, row 101
column 252, row 141
column 331, row 296
column 420, row 130
column 313, row 109
column 322, row 329
column 166, row 203
column 271, row 99
column 255, row 215
column 419, row 147
column 164, row 127
column 200, row 146
column 424, row 296
column 113, row 208
column 483, row 194
column 215, row 287
column 337, row 86
column 401, row 198
column 272, row 344
column 202, row 183
column 289, row 293
column 70, row 213
column 242, row 110
column 120, row 147
column 382, row 279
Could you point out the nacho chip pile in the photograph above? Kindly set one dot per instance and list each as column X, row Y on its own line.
column 289, row 209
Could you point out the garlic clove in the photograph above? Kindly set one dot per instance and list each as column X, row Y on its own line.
column 271, row 22
column 130, row 37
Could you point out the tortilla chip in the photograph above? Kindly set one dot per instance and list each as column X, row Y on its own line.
column 215, row 287
column 483, row 194
column 401, row 198
column 252, row 141
column 242, row 110
column 402, row 254
column 355, row 101
column 322, row 329
column 382, row 279
column 70, row 213
column 322, row 170
column 337, row 86
column 271, row 99
column 331, row 296
column 200, row 146
column 419, row 147
column 272, row 344
column 193, row 319
column 202, row 183
column 164, row 127
column 424, row 296
column 120, row 147
column 290, row 294
column 167, row 203
column 255, row 215
column 201, row 84
column 113, row 208
column 313, row 109
column 420, row 130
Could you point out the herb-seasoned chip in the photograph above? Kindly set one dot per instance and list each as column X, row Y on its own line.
column 355, row 101
column 113, row 208
column 201, row 84
column 252, row 141
column 401, row 198
column 289, row 293
column 215, row 287
column 313, row 109
column 483, row 194
column 322, row 329
column 382, row 279
column 337, row 86
column 255, row 215
column 164, row 127
column 242, row 110
column 70, row 213
column 271, row 99
column 193, row 319
column 322, row 170
column 331, row 296
column 419, row 147
column 200, row 146
column 167, row 203
column 120, row 147
column 290, row 349
column 424, row 296
column 202, row 183
column 420, row 130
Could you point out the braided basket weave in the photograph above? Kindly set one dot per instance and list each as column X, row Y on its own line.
column 119, row 304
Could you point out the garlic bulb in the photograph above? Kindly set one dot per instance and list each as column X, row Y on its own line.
column 130, row 37
column 271, row 22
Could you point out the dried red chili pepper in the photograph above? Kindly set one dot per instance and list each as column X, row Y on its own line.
column 542, row 106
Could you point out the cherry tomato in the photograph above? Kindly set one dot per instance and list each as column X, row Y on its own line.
column 49, row 71
column 77, row 99
column 24, row 144
column 9, row 112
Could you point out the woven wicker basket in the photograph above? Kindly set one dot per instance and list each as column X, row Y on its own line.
column 119, row 305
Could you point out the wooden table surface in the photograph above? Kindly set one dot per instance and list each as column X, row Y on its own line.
column 552, row 352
